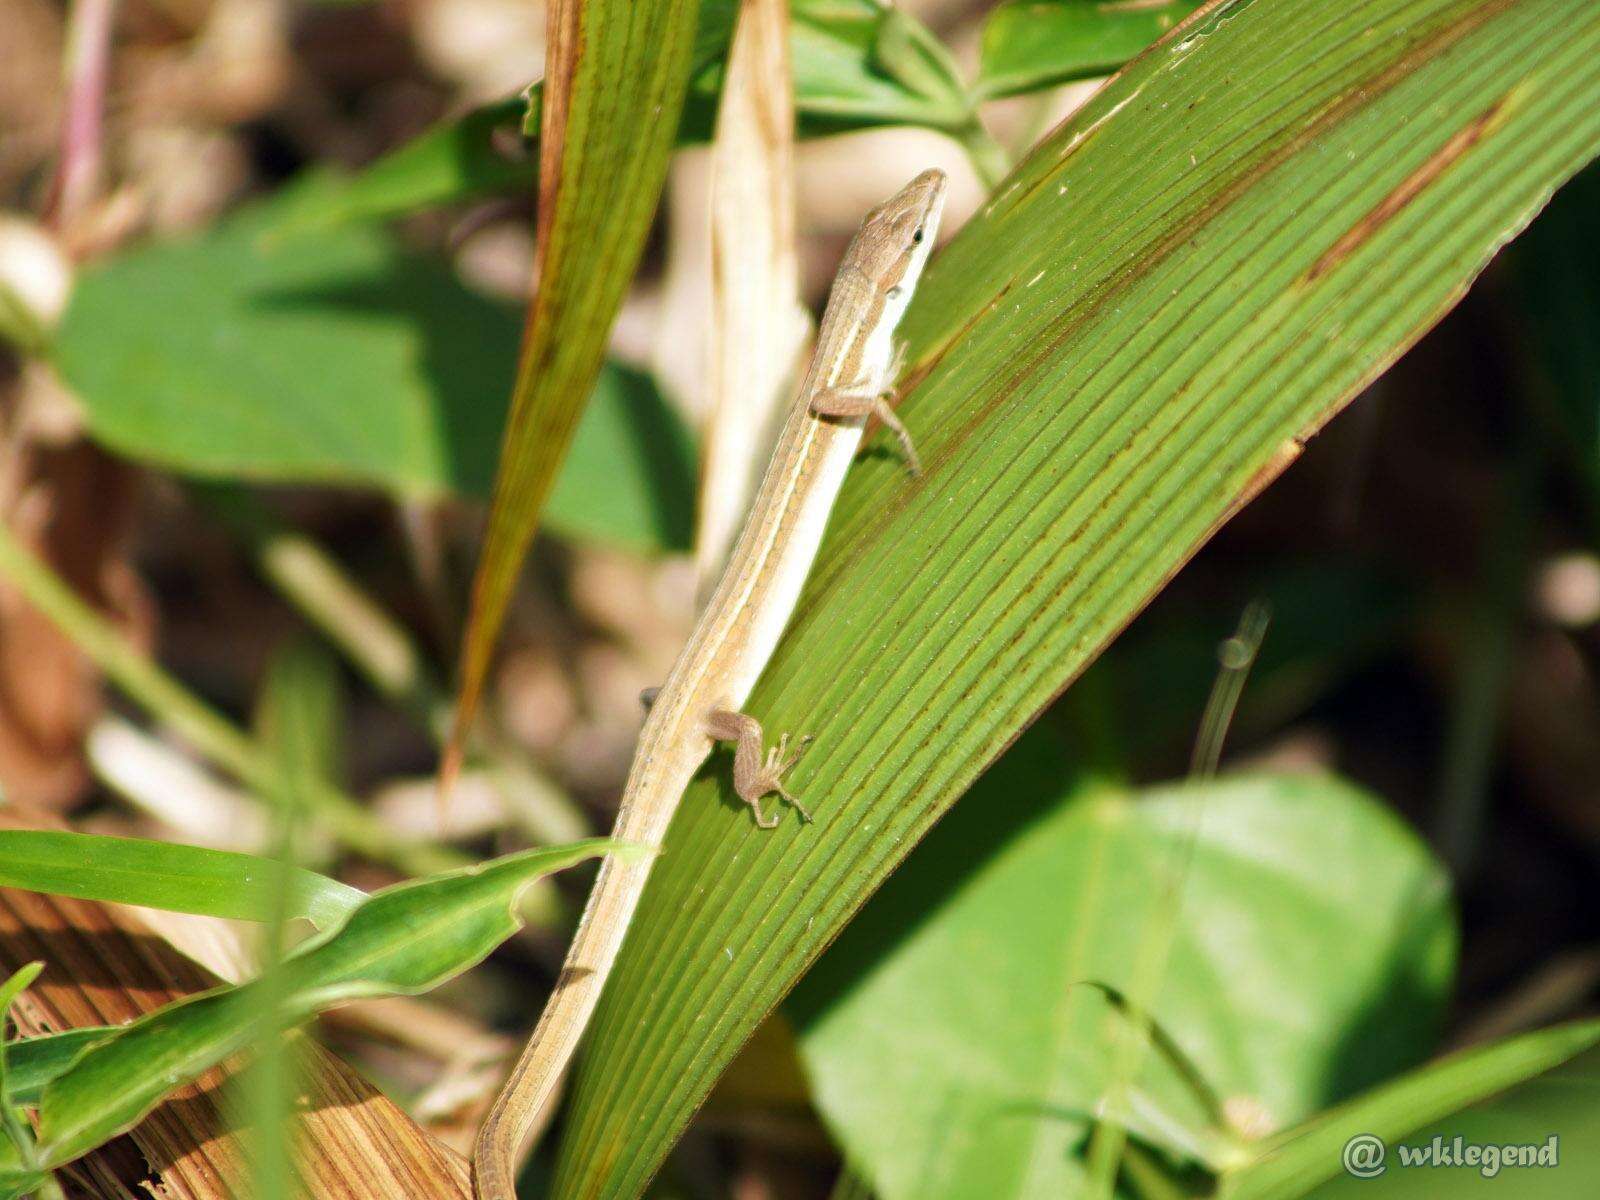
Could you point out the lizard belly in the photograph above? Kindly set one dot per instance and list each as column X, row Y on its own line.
column 788, row 570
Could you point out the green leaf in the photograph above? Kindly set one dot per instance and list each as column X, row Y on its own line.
column 33, row 1062
column 299, row 716
column 19, row 1166
column 19, row 982
column 1033, row 44
column 1199, row 268
column 336, row 357
column 858, row 63
column 629, row 479
column 843, row 79
column 1557, row 1095
column 402, row 940
column 192, row 879
column 1312, row 955
column 617, row 77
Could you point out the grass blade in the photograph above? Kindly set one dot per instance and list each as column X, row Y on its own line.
column 1189, row 277
column 191, row 879
column 351, row 1140
column 1297, row 1160
column 33, row 1062
column 618, row 73
column 143, row 681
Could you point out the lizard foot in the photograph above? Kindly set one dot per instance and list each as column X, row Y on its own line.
column 754, row 778
column 859, row 400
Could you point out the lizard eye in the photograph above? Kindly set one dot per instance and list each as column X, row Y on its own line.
column 917, row 236
column 894, row 292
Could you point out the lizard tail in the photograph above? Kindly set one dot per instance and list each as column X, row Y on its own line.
column 525, row 1103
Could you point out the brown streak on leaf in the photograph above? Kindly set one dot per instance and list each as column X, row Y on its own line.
column 1282, row 458
column 1406, row 191
column 1340, row 108
column 564, row 51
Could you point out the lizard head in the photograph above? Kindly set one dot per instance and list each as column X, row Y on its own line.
column 897, row 236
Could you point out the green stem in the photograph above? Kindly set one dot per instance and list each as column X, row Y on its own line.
column 1486, row 655
column 1146, row 1177
column 386, row 656
column 159, row 694
column 987, row 156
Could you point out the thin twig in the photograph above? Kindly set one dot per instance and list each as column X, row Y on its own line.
column 86, row 70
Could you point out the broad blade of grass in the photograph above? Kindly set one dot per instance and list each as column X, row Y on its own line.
column 1298, row 1159
column 618, row 72
column 191, row 879
column 402, row 940
column 1189, row 277
column 33, row 1062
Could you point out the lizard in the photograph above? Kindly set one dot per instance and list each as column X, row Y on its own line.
column 848, row 380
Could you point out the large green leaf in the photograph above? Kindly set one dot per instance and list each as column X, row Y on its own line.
column 1312, row 954
column 618, row 72
column 402, row 940
column 192, row 879
column 1195, row 271
column 1030, row 44
column 1521, row 1090
column 335, row 356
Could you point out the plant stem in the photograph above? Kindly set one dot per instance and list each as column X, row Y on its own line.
column 1486, row 655
column 379, row 647
column 987, row 156
column 158, row 693
column 86, row 69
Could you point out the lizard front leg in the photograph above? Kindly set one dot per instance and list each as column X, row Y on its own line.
column 754, row 778
column 861, row 399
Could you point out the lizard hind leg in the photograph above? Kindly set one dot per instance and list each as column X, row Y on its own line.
column 857, row 400
column 755, row 777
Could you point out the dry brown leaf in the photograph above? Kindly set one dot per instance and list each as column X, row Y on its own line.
column 758, row 326
column 73, row 505
column 104, row 966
